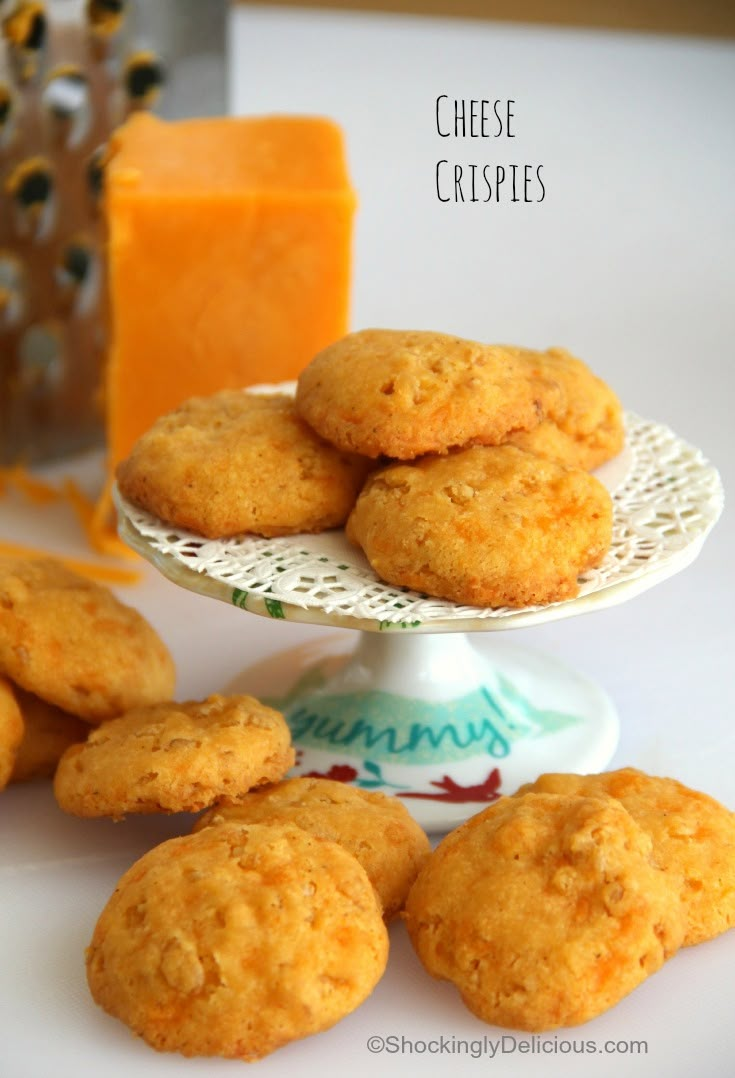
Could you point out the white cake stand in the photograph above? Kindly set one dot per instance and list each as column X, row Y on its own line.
column 418, row 711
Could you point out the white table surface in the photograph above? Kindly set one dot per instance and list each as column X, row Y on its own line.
column 628, row 262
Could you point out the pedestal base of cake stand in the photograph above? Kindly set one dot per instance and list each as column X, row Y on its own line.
column 443, row 724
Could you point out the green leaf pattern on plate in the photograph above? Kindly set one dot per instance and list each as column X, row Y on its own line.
column 273, row 606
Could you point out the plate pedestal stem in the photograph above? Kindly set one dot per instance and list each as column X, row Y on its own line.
column 438, row 666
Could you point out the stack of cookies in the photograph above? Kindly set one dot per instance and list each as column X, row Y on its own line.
column 71, row 656
column 269, row 922
column 550, row 906
column 461, row 469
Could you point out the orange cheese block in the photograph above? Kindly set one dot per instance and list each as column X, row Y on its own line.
column 229, row 258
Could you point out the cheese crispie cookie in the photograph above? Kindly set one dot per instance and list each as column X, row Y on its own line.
column 693, row 838
column 240, row 462
column 485, row 526
column 378, row 830
column 544, row 910
column 71, row 642
column 11, row 731
column 587, row 428
column 47, row 734
column 403, row 393
column 236, row 940
column 175, row 758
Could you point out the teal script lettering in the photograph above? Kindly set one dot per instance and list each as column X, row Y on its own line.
column 415, row 740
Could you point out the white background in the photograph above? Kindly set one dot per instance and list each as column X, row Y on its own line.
column 627, row 262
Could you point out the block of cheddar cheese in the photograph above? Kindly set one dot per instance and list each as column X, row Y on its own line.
column 229, row 250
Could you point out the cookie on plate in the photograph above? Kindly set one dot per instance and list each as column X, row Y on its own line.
column 587, row 428
column 175, row 758
column 71, row 642
column 236, row 940
column 403, row 393
column 238, row 462
column 693, row 839
column 484, row 526
column 47, row 734
column 11, row 731
column 378, row 830
column 544, row 910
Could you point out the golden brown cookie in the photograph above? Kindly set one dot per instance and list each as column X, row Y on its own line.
column 175, row 758
column 693, row 839
column 378, row 830
column 238, row 462
column 544, row 910
column 47, row 733
column 485, row 526
column 403, row 393
column 587, row 428
column 71, row 642
column 11, row 731
column 236, row 940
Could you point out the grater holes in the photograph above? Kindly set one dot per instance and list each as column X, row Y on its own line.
column 12, row 291
column 143, row 78
column 105, row 17
column 8, row 115
column 96, row 172
column 40, row 359
column 67, row 104
column 77, row 274
column 31, row 186
column 26, row 30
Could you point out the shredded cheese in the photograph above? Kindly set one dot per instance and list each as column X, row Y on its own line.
column 109, row 574
column 95, row 520
column 36, row 490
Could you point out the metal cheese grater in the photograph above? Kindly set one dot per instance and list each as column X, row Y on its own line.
column 70, row 72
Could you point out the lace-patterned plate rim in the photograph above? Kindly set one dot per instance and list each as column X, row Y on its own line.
column 665, row 504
